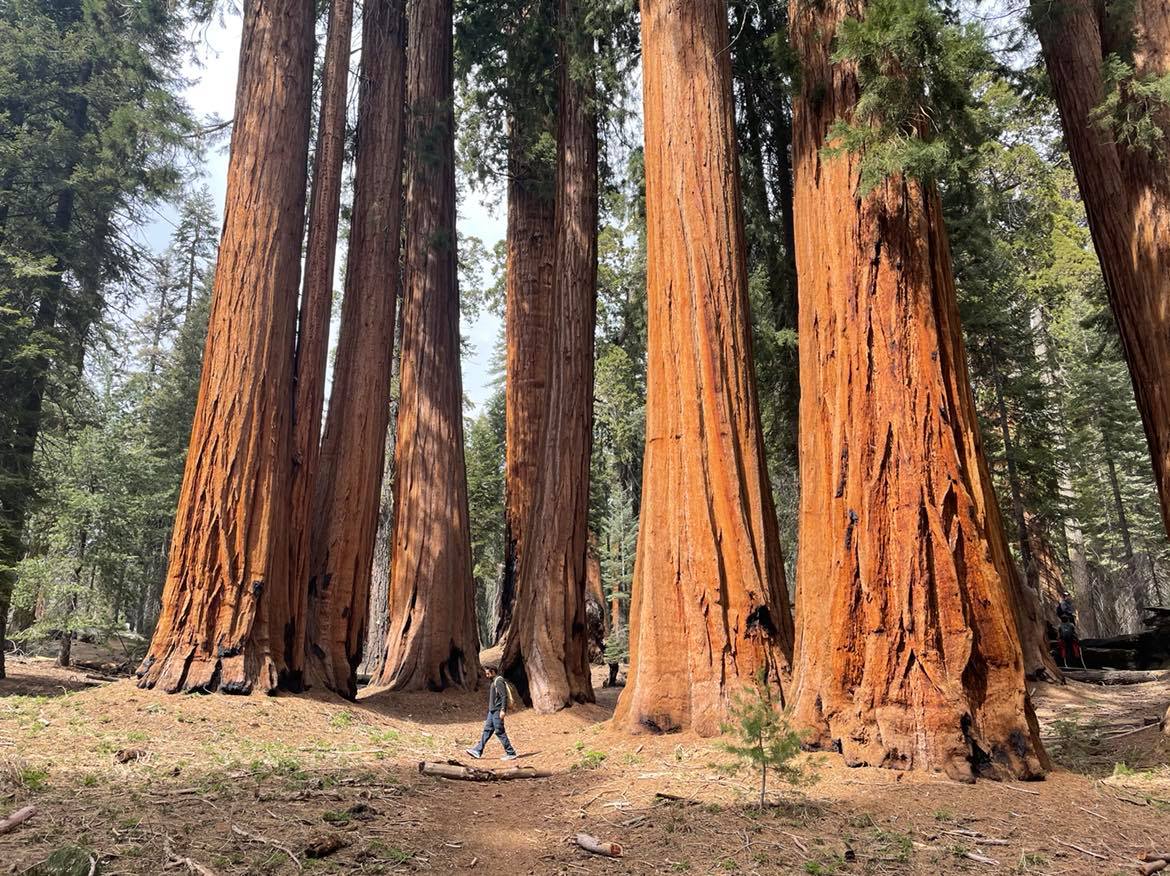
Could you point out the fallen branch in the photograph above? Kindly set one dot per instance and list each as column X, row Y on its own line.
column 192, row 866
column 256, row 838
column 452, row 769
column 675, row 798
column 17, row 818
column 1080, row 849
column 1019, row 790
column 977, row 837
column 599, row 847
column 980, row 859
column 1149, row 722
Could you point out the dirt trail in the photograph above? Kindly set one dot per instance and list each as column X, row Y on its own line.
column 234, row 785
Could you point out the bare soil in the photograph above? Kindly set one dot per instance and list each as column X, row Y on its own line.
column 242, row 785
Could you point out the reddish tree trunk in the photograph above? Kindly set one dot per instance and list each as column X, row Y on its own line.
column 230, row 607
column 528, row 296
column 547, row 647
column 317, row 300
column 1126, row 190
column 907, row 653
column 433, row 642
column 353, row 448
column 710, row 606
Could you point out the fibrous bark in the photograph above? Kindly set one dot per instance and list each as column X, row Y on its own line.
column 547, row 647
column 907, row 654
column 1125, row 187
column 528, row 296
column 353, row 447
column 316, row 303
column 433, row 642
column 710, row 606
column 229, row 604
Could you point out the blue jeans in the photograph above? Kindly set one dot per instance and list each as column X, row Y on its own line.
column 494, row 724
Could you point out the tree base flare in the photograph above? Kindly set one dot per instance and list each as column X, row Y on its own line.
column 183, row 670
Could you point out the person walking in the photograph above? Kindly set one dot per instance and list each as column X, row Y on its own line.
column 497, row 709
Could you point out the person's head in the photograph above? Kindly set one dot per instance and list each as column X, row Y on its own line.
column 489, row 671
column 1064, row 594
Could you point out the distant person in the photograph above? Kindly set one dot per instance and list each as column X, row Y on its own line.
column 1069, row 644
column 498, row 697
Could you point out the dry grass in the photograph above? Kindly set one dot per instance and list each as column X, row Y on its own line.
column 244, row 785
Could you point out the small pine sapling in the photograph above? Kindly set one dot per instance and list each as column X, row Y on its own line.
column 762, row 737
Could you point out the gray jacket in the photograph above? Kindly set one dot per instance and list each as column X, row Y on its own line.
column 497, row 695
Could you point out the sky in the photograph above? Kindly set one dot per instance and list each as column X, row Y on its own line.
column 212, row 93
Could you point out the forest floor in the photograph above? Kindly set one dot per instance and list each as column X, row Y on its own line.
column 223, row 785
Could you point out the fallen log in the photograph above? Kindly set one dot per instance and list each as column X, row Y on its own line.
column 599, row 847
column 1117, row 676
column 17, row 818
column 453, row 769
column 1151, row 867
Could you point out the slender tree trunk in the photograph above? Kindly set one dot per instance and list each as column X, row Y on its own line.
column 1126, row 189
column 710, row 605
column 1074, row 540
column 190, row 282
column 907, row 655
column 157, row 333
column 229, row 603
column 353, row 450
column 1118, row 504
column 433, row 641
column 528, row 298
column 65, row 654
column 1009, row 454
column 313, row 331
column 547, row 646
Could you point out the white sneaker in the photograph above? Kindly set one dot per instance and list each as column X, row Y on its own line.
column 509, row 757
column 473, row 753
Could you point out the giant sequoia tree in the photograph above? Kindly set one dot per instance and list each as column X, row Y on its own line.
column 907, row 653
column 229, row 603
column 546, row 645
column 529, row 284
column 507, row 52
column 710, row 606
column 1110, row 72
column 353, row 446
column 317, row 296
column 432, row 641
